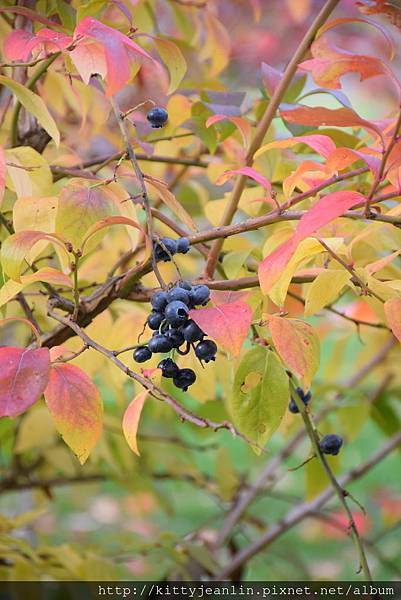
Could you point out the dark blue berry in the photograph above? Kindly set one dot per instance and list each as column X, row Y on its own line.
column 185, row 285
column 192, row 332
column 165, row 248
column 200, row 294
column 184, row 378
column 206, row 350
column 160, row 343
column 176, row 313
column 176, row 337
column 182, row 245
column 157, row 117
column 331, row 444
column 168, row 367
column 155, row 319
column 178, row 294
column 159, row 301
column 142, row 354
column 292, row 407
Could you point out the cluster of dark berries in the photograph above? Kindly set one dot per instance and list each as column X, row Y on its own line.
column 173, row 329
column 306, row 398
column 157, row 117
column 166, row 247
column 331, row 444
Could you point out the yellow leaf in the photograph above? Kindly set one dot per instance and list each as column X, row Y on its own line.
column 131, row 420
column 325, row 289
column 174, row 60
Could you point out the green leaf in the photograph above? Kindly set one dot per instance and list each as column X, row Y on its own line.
column 35, row 105
column 174, row 60
column 260, row 395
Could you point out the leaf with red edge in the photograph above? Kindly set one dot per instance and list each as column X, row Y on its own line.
column 342, row 20
column 330, row 64
column 30, row 14
column 131, row 420
column 106, row 49
column 3, row 169
column 241, row 124
column 107, row 222
column 170, row 201
column 318, row 116
column 322, row 144
column 392, row 310
column 76, row 407
column 227, row 324
column 297, row 345
column 323, row 212
column 17, row 246
column 247, row 172
column 19, row 43
column 24, row 375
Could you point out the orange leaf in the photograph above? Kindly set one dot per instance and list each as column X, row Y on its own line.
column 241, row 124
column 297, row 345
column 392, row 310
column 227, row 324
column 131, row 420
column 76, row 407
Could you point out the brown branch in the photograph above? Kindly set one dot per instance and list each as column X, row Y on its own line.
column 265, row 123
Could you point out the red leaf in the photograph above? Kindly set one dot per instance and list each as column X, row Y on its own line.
column 23, row 378
column 115, row 52
column 227, row 324
column 131, row 420
column 323, row 212
column 76, row 407
column 248, row 172
column 318, row 116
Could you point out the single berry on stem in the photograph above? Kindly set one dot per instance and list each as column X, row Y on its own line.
column 178, row 294
column 159, row 301
column 142, row 354
column 159, row 343
column 206, row 350
column 184, row 378
column 192, row 332
column 182, row 245
column 165, row 248
column 175, row 336
column 176, row 313
column 155, row 319
column 168, row 367
column 200, row 294
column 157, row 117
column 331, row 444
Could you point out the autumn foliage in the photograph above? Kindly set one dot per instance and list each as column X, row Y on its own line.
column 282, row 168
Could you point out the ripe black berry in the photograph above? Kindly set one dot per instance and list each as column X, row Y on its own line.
column 155, row 319
column 192, row 332
column 331, row 444
column 165, row 253
column 168, row 367
column 157, row 117
column 184, row 378
column 159, row 343
column 178, row 294
column 176, row 337
column 142, row 354
column 206, row 350
column 200, row 294
column 159, row 301
column 292, row 407
column 182, row 245
column 176, row 313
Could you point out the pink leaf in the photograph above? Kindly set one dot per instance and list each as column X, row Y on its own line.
column 322, row 144
column 248, row 172
column 131, row 420
column 228, row 296
column 323, row 212
column 23, row 378
column 115, row 46
column 15, row 44
column 19, row 44
column 76, row 407
column 270, row 77
column 227, row 324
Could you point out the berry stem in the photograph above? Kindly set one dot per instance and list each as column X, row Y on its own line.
column 339, row 490
column 145, row 198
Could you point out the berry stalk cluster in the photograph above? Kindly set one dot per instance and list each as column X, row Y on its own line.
column 174, row 331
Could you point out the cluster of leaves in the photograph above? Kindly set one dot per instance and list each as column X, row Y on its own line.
column 79, row 227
